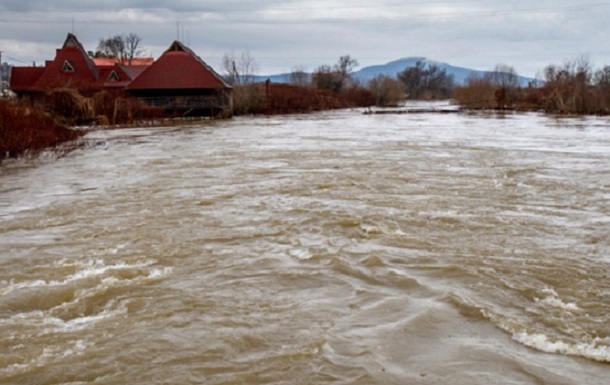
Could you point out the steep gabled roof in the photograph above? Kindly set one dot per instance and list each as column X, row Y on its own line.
column 71, row 67
column 72, row 42
column 118, row 76
column 178, row 68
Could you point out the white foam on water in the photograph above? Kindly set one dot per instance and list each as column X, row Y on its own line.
column 48, row 355
column 373, row 229
column 81, row 323
column 553, row 300
column 49, row 324
column 11, row 285
column 558, row 303
column 159, row 273
column 93, row 268
column 301, row 254
column 598, row 349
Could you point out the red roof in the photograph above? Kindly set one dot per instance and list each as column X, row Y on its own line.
column 178, row 68
column 71, row 68
column 118, row 76
column 109, row 62
column 23, row 78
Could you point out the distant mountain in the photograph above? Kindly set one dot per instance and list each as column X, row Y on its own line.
column 460, row 74
column 278, row 78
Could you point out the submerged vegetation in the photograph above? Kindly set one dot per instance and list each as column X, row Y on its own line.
column 29, row 125
column 26, row 129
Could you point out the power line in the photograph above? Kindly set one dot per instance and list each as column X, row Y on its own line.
column 17, row 60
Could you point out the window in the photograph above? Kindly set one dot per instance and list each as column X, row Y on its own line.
column 113, row 77
column 68, row 67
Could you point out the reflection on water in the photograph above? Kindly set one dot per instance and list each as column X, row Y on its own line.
column 327, row 248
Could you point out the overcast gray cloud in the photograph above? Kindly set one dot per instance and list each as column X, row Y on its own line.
column 283, row 34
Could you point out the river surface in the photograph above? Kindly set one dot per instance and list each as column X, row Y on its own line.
column 332, row 248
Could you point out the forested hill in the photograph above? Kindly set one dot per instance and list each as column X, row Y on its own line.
column 460, row 74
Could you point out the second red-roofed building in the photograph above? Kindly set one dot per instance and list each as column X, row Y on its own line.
column 182, row 81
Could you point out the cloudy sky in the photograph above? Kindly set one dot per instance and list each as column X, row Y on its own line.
column 282, row 35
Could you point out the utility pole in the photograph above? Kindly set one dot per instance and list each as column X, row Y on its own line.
column 1, row 76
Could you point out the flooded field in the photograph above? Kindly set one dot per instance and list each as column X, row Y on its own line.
column 333, row 248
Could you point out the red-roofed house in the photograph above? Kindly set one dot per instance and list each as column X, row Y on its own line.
column 71, row 68
column 178, row 81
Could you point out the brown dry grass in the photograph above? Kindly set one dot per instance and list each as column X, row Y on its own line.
column 25, row 129
column 290, row 99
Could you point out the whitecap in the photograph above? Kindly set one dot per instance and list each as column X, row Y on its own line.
column 558, row 303
column 92, row 268
column 598, row 349
column 553, row 300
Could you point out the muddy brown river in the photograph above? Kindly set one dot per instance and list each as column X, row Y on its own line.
column 332, row 248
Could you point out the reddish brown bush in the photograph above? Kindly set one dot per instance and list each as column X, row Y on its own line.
column 288, row 99
column 478, row 93
column 103, row 104
column 26, row 129
column 116, row 108
column 358, row 97
column 68, row 105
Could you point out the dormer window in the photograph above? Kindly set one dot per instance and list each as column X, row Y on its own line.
column 113, row 77
column 68, row 67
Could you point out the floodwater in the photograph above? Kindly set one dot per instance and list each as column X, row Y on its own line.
column 332, row 248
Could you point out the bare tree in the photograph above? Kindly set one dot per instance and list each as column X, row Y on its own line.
column 122, row 47
column 337, row 77
column 504, row 76
column 345, row 68
column 568, row 87
column 325, row 78
column 240, row 69
column 602, row 77
column 132, row 46
column 426, row 81
column 299, row 76
column 112, row 47
column 346, row 65
column 387, row 91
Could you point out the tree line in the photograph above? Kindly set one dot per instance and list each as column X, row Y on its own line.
column 423, row 81
column 571, row 88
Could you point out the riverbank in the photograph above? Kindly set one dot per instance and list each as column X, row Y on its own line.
column 29, row 127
